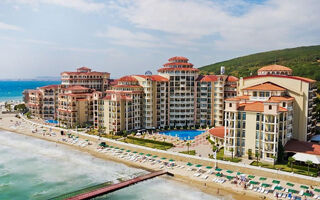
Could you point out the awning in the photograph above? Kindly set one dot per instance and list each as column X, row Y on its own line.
column 304, row 157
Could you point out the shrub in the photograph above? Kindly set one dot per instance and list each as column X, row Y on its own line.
column 151, row 141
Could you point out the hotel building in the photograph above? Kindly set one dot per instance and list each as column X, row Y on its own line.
column 270, row 109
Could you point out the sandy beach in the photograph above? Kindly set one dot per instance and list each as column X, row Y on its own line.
column 182, row 172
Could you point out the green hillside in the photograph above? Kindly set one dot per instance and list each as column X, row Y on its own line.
column 304, row 61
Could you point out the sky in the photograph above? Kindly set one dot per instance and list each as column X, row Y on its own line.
column 46, row 37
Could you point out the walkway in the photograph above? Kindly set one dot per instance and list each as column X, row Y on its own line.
column 118, row 186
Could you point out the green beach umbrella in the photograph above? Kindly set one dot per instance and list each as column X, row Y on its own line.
column 254, row 182
column 117, row 147
column 134, row 152
column 198, row 165
column 293, row 191
column 262, row 178
column 87, row 140
column 189, row 164
column 208, row 167
column 229, row 177
column 218, row 174
column 141, row 153
column 154, row 156
column 275, row 181
column 307, row 194
column 128, row 150
column 317, row 190
column 265, row 185
column 171, row 160
column 239, row 173
column 304, row 187
column 229, row 171
column 251, row 176
column 218, row 169
column 278, row 188
column 163, row 158
column 148, row 154
column 290, row 184
column 122, row 149
column 111, row 146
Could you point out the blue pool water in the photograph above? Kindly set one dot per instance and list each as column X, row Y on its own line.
column 52, row 121
column 183, row 134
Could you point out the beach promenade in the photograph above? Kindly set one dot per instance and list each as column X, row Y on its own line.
column 227, row 178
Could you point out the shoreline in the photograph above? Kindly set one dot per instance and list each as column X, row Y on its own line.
column 225, row 190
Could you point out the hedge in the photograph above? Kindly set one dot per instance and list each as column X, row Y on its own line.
column 151, row 141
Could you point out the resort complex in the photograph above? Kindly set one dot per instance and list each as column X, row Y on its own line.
column 248, row 116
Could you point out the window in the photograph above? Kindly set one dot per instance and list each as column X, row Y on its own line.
column 270, row 107
column 254, row 93
column 284, row 104
column 267, row 94
column 230, row 104
column 258, row 117
column 262, row 94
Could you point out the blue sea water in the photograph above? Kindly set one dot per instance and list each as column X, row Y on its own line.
column 12, row 90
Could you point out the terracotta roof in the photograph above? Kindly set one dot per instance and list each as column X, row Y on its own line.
column 266, row 86
column 84, row 68
column 76, row 87
column 302, row 147
column 128, row 79
column 178, row 58
column 178, row 63
column 238, row 98
column 274, row 68
column 85, row 73
column 155, row 78
column 50, row 87
column 209, row 78
column 217, row 131
column 285, row 98
column 127, row 86
column 308, row 80
column 177, row 69
column 232, row 79
column 256, row 107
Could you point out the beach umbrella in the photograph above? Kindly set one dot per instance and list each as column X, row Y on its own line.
column 134, row 152
column 208, row 167
column 198, row 165
column 239, row 173
column 148, row 154
column 163, row 158
column 128, row 150
column 254, row 182
column 278, row 188
column 171, row 160
column 275, row 181
column 218, row 169
column 141, row 153
column 111, row 146
column 290, row 184
column 229, row 171
column 122, row 149
column 218, row 174
column 262, row 179
column 304, row 187
column 189, row 164
column 117, row 148
column 154, row 156
column 265, row 185
column 307, row 194
column 87, row 140
column 293, row 191
column 251, row 176
column 317, row 190
column 229, row 177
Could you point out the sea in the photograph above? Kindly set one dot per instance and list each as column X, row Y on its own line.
column 12, row 90
column 31, row 168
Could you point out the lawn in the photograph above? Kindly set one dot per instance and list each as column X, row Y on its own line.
column 220, row 156
column 146, row 143
column 298, row 169
column 191, row 152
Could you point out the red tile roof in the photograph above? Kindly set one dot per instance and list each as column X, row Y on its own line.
column 238, row 98
column 155, row 78
column 266, row 87
column 209, row 78
column 176, row 63
column 279, row 99
column 86, row 73
column 128, row 79
column 217, row 131
column 256, row 107
column 178, row 58
column 76, row 87
column 177, row 69
column 274, row 68
column 232, row 79
column 50, row 87
column 127, row 86
column 308, row 80
column 302, row 147
column 84, row 68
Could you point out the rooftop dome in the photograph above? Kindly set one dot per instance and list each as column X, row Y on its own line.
column 275, row 70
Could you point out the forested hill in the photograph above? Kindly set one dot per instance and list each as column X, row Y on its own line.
column 304, row 61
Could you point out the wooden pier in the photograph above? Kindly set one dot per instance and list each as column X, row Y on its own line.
column 118, row 186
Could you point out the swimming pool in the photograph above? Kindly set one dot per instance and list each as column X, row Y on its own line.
column 183, row 134
column 50, row 121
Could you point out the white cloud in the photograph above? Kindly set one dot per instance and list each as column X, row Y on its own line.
column 81, row 5
column 9, row 27
column 270, row 25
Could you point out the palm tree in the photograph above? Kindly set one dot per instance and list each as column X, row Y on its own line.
column 231, row 150
column 274, row 160
column 250, row 153
column 257, row 155
column 291, row 161
column 309, row 162
column 188, row 145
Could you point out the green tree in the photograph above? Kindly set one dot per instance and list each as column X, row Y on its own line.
column 291, row 161
column 309, row 162
column 257, row 155
column 231, row 150
column 188, row 146
column 249, row 153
